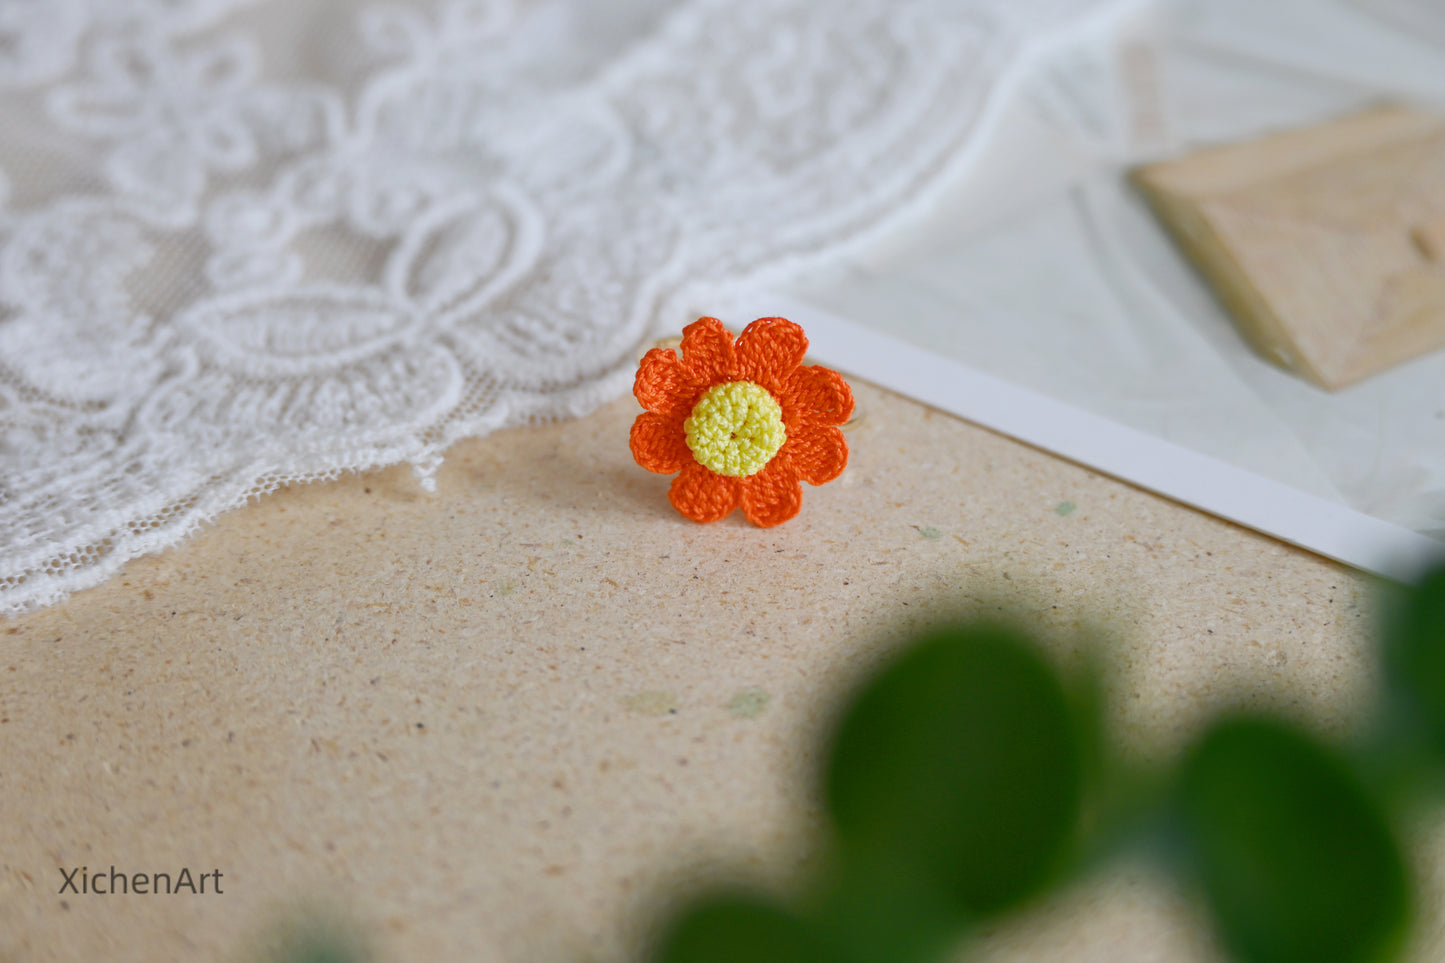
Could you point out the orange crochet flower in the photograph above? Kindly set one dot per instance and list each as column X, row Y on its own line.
column 743, row 422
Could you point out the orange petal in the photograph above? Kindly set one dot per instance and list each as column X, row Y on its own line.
column 818, row 453
column 707, row 350
column 659, row 443
column 664, row 384
column 818, row 395
column 773, row 495
column 769, row 350
column 702, row 495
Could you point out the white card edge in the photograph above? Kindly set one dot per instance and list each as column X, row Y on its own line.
column 1200, row 481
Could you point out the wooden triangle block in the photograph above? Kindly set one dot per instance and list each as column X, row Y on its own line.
column 1327, row 245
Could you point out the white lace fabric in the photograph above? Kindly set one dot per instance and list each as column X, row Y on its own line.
column 246, row 243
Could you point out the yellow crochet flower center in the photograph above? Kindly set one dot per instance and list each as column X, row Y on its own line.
column 736, row 428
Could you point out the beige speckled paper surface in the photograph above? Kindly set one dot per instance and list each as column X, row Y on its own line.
column 506, row 721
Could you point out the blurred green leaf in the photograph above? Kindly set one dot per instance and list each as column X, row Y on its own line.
column 1297, row 862
column 1414, row 659
column 316, row 938
column 960, row 763
column 738, row 928
column 885, row 911
column 319, row 951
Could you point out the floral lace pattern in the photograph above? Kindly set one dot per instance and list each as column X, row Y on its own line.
column 246, row 243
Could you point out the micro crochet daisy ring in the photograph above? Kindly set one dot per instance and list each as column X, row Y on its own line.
column 744, row 423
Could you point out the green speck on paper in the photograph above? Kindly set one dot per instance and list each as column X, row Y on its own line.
column 928, row 531
column 651, row 703
column 506, row 588
column 749, row 703
column 1065, row 508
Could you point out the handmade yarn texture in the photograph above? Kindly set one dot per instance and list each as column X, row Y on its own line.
column 743, row 423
